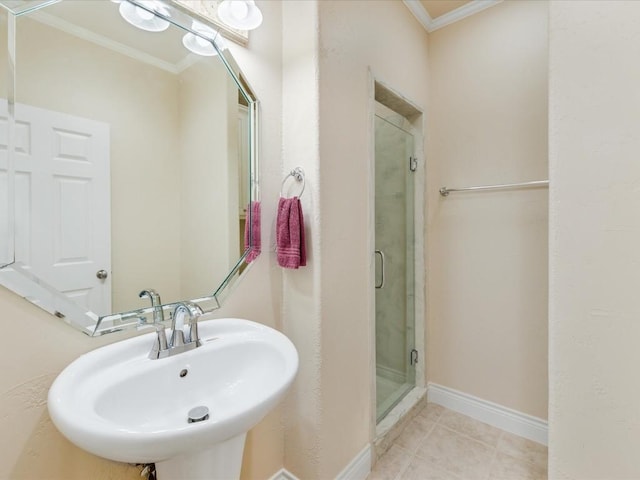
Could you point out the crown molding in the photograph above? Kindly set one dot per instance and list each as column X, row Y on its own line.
column 420, row 13
column 105, row 42
column 464, row 11
column 433, row 24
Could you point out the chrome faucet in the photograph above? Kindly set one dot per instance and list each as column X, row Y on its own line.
column 179, row 342
column 160, row 347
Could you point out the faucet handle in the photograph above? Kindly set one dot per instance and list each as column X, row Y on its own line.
column 196, row 312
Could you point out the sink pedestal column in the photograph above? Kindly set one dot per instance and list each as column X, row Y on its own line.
column 221, row 461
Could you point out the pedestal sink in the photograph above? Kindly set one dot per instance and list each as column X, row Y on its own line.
column 117, row 403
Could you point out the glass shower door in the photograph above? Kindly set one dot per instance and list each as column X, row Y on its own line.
column 394, row 260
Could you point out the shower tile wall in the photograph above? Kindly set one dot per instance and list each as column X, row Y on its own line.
column 394, row 237
column 390, row 239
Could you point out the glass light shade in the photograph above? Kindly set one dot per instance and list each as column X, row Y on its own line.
column 141, row 18
column 240, row 14
column 202, row 46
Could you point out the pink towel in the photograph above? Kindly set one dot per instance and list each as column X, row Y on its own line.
column 292, row 252
column 252, row 240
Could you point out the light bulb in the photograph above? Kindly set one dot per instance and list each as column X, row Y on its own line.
column 143, row 14
column 144, row 19
column 239, row 10
column 240, row 14
column 203, row 46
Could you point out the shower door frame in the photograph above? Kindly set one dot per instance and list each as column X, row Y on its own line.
column 417, row 128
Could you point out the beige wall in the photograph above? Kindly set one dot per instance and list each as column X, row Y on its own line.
column 30, row 446
column 301, row 315
column 259, row 295
column 594, row 417
column 330, row 48
column 487, row 300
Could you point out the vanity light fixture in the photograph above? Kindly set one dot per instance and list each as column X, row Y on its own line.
column 203, row 46
column 240, row 14
column 143, row 19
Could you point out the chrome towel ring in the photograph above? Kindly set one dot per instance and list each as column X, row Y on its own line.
column 298, row 174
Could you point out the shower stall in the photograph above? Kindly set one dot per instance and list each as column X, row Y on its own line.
column 395, row 167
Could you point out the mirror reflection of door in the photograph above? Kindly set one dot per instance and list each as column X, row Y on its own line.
column 63, row 187
column 62, row 197
column 6, row 220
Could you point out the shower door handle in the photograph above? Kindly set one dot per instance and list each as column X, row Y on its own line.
column 379, row 252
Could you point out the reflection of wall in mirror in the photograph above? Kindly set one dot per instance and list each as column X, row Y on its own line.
column 209, row 175
column 151, row 246
column 243, row 173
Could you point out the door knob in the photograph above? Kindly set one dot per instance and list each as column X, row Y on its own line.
column 102, row 274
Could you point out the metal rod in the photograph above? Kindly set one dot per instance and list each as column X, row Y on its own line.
column 444, row 191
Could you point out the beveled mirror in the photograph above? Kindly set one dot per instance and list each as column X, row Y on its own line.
column 127, row 159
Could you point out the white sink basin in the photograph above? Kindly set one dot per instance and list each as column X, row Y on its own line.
column 117, row 403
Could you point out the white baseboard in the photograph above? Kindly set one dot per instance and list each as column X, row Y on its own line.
column 496, row 415
column 358, row 468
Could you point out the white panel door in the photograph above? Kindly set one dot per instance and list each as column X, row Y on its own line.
column 63, row 223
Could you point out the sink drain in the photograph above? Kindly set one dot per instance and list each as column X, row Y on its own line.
column 198, row 414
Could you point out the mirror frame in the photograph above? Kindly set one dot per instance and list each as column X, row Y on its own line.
column 47, row 297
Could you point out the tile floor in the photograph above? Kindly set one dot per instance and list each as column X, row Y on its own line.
column 440, row 444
